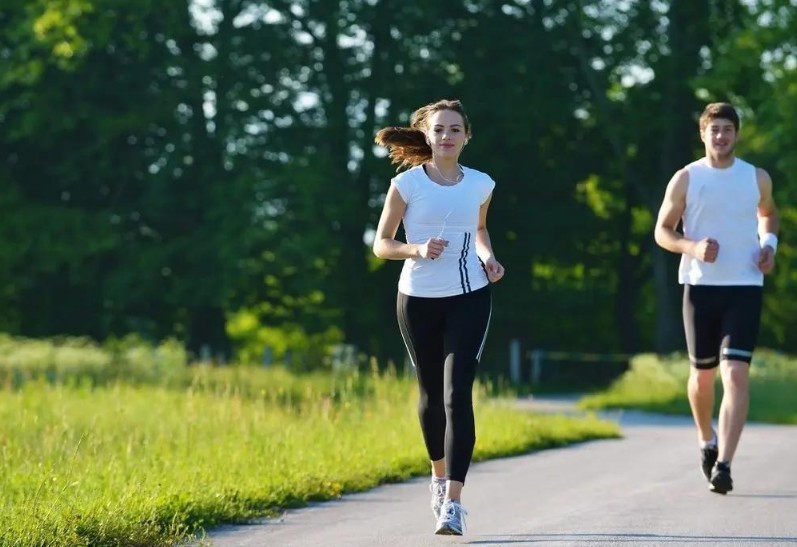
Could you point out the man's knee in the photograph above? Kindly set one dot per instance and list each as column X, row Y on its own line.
column 735, row 373
column 703, row 379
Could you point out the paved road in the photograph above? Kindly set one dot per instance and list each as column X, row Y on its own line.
column 643, row 490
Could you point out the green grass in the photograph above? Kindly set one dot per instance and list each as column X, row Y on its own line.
column 659, row 385
column 147, row 465
column 71, row 359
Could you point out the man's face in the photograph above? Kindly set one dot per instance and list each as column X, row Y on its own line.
column 719, row 136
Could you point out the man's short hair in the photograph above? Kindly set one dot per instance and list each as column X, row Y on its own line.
column 714, row 111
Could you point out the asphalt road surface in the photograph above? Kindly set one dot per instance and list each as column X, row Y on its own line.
column 643, row 490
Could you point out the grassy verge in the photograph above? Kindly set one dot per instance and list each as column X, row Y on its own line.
column 147, row 465
column 659, row 385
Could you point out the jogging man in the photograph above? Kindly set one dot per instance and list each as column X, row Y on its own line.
column 727, row 244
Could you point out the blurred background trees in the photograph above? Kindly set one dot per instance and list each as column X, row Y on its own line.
column 206, row 169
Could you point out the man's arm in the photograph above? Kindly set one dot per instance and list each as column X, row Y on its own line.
column 768, row 222
column 670, row 213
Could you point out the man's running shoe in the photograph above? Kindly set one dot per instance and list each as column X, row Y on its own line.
column 708, row 459
column 721, row 482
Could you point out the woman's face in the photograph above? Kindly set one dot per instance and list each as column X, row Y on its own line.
column 446, row 133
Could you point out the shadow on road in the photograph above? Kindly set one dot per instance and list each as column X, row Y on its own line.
column 528, row 539
column 787, row 495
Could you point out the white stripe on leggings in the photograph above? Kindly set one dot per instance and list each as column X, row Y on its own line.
column 404, row 337
column 486, row 329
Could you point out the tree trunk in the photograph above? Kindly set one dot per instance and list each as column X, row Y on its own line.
column 627, row 287
column 207, row 335
column 688, row 31
column 669, row 325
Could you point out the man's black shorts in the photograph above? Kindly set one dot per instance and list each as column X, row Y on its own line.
column 721, row 322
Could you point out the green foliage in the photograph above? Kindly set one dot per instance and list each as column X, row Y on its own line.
column 512, row 433
column 761, row 78
column 56, row 28
column 651, row 383
column 164, row 174
column 288, row 343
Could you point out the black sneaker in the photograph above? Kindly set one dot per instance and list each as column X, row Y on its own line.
column 721, row 482
column 708, row 459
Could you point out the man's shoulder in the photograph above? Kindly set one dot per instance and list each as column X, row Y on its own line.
column 698, row 164
column 744, row 164
column 761, row 174
column 681, row 176
column 748, row 170
column 702, row 165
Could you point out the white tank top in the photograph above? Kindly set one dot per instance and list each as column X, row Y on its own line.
column 722, row 204
column 450, row 212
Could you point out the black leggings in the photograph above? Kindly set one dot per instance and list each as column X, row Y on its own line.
column 445, row 338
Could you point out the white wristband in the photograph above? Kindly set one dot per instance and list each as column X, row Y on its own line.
column 769, row 240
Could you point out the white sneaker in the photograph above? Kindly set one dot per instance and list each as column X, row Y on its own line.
column 452, row 519
column 438, row 490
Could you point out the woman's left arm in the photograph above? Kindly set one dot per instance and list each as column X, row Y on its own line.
column 484, row 247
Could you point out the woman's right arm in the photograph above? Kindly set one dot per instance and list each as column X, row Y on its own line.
column 385, row 244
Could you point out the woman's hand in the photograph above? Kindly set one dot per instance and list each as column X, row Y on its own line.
column 495, row 271
column 433, row 248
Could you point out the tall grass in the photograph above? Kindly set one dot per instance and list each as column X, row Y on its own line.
column 111, row 463
column 69, row 359
column 659, row 385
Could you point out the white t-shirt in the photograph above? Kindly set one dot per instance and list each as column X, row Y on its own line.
column 722, row 204
column 449, row 212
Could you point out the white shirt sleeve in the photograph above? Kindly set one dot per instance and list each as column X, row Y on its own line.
column 404, row 185
column 487, row 189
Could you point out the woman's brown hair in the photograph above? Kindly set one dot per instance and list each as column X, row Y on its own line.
column 407, row 146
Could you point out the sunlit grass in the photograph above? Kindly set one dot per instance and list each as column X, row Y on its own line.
column 659, row 385
column 147, row 465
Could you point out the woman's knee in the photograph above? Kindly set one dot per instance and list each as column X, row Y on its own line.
column 459, row 399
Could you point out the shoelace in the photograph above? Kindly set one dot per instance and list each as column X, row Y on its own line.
column 438, row 497
column 451, row 510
